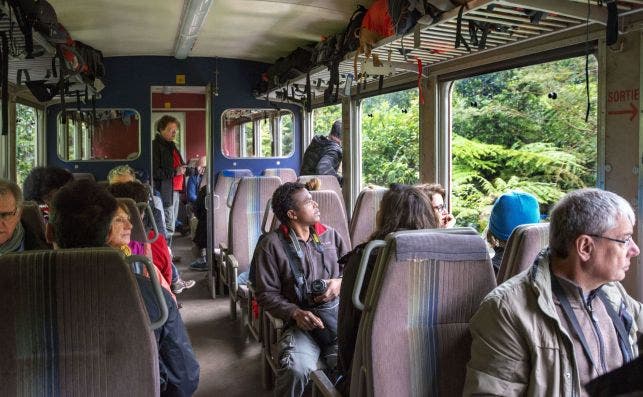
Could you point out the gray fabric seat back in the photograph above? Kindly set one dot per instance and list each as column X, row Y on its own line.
column 328, row 182
column 522, row 248
column 246, row 216
column 72, row 319
column 328, row 204
column 413, row 338
column 221, row 213
column 285, row 174
column 83, row 175
column 363, row 221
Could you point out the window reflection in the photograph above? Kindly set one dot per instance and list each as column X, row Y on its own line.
column 106, row 134
column 257, row 133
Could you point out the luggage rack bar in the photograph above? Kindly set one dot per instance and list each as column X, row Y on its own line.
column 507, row 19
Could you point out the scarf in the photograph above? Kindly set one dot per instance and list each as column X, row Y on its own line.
column 14, row 244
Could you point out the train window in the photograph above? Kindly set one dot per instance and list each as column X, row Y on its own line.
column 390, row 138
column 324, row 117
column 522, row 129
column 286, row 129
column 257, row 133
column 27, row 118
column 109, row 134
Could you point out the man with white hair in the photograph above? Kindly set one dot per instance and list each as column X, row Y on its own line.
column 549, row 330
column 15, row 235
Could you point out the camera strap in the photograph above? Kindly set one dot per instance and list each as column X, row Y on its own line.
column 296, row 260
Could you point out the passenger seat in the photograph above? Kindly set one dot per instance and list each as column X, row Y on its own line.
column 70, row 322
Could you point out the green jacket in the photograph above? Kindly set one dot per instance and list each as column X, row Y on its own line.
column 520, row 346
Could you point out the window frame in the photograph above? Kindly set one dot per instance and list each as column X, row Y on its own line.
column 241, row 140
column 86, row 144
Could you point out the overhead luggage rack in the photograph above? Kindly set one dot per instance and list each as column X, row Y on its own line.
column 43, row 65
column 508, row 22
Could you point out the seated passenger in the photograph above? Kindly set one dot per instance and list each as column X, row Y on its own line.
column 121, row 174
column 403, row 208
column 509, row 211
column 552, row 329
column 159, row 249
column 118, row 178
column 15, row 235
column 120, row 233
column 195, row 180
column 298, row 280
column 42, row 183
column 81, row 215
column 124, row 174
column 200, row 239
column 436, row 193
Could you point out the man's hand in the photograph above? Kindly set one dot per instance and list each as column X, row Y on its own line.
column 332, row 292
column 180, row 170
column 306, row 320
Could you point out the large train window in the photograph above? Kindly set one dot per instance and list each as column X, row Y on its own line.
column 390, row 143
column 257, row 133
column 28, row 120
column 522, row 129
column 106, row 134
column 324, row 117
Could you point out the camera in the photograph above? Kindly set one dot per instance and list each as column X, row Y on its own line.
column 318, row 287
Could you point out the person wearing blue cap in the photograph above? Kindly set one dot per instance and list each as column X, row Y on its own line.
column 509, row 211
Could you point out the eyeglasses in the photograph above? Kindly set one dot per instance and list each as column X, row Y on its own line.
column 122, row 219
column 440, row 208
column 626, row 242
column 5, row 216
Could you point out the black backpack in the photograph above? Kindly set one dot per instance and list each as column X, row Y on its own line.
column 34, row 14
column 350, row 36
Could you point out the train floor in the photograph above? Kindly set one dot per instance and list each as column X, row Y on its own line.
column 230, row 366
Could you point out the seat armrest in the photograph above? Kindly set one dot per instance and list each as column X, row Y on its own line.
column 322, row 385
column 275, row 322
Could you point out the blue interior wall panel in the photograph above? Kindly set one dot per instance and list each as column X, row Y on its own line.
column 128, row 81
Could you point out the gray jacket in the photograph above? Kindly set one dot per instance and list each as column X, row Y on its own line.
column 520, row 347
column 275, row 284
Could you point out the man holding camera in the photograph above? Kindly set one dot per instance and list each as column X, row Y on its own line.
column 298, row 279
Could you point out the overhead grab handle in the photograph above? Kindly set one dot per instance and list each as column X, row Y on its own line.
column 156, row 285
column 363, row 263
column 146, row 207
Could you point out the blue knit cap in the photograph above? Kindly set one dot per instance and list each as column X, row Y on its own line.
column 511, row 210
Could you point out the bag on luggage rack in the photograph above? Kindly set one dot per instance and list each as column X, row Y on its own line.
column 94, row 60
column 324, row 51
column 350, row 35
column 405, row 14
column 32, row 14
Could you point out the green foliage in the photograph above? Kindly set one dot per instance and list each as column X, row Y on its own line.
column 26, row 134
column 390, row 147
column 287, row 134
column 323, row 118
column 507, row 135
column 481, row 172
column 267, row 149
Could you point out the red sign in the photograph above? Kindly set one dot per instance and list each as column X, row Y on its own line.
column 631, row 94
column 632, row 111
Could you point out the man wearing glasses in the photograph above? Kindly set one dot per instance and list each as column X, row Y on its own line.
column 15, row 236
column 552, row 329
